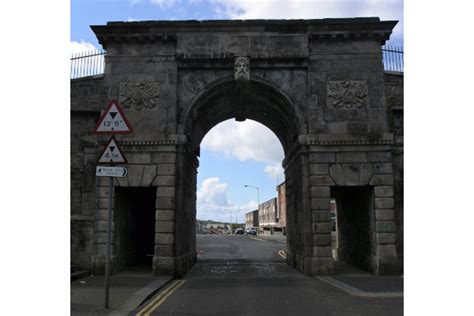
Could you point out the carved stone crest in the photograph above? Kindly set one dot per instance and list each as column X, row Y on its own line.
column 242, row 68
column 347, row 94
column 139, row 95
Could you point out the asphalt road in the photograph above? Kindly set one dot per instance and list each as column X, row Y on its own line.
column 241, row 275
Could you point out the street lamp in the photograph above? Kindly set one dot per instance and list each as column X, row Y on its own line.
column 258, row 193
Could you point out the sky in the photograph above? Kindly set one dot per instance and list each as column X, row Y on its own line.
column 233, row 154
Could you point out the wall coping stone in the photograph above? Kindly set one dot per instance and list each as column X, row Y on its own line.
column 326, row 29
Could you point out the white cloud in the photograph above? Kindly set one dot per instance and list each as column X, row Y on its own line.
column 213, row 193
column 275, row 171
column 82, row 46
column 164, row 4
column 247, row 140
column 314, row 9
column 134, row 2
column 213, row 203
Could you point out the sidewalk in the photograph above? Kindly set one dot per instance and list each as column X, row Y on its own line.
column 128, row 289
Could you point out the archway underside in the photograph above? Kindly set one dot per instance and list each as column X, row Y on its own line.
column 246, row 100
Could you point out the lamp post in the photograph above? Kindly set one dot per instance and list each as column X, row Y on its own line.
column 258, row 193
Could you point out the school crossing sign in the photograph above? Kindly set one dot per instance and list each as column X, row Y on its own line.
column 113, row 121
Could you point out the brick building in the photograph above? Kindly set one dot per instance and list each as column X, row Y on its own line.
column 281, row 210
column 251, row 219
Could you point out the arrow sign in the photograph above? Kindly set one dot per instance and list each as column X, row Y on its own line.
column 113, row 121
column 118, row 172
column 112, row 153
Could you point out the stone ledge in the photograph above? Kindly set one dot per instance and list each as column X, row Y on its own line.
column 345, row 139
column 146, row 139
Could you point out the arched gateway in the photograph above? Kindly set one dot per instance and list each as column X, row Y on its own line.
column 319, row 85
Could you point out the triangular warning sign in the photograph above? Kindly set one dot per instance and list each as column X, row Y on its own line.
column 112, row 153
column 113, row 121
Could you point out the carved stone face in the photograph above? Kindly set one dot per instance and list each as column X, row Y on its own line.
column 242, row 68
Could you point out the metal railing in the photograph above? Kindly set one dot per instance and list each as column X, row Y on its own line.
column 392, row 57
column 88, row 63
column 91, row 63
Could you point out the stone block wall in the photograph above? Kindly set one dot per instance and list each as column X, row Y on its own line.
column 85, row 95
column 394, row 95
column 346, row 88
column 355, row 166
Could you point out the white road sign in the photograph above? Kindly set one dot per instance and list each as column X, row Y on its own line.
column 113, row 121
column 119, row 172
column 112, row 153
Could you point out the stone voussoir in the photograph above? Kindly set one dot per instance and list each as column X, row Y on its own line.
column 165, row 192
column 322, row 180
column 384, row 203
column 322, row 239
column 164, row 215
column 385, row 238
column 321, row 204
column 320, row 192
column 381, row 180
column 321, row 216
column 164, row 238
column 164, row 227
column 383, row 191
column 384, row 214
column 322, row 227
column 319, row 169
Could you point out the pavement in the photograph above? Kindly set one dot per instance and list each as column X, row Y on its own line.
column 128, row 289
column 247, row 275
column 253, row 263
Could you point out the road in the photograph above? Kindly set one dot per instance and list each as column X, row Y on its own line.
column 243, row 275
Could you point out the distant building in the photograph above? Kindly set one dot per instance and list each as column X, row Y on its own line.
column 281, row 210
column 251, row 219
column 267, row 217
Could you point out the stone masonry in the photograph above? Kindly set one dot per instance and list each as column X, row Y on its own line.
column 319, row 85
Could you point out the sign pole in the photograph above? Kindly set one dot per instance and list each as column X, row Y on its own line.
column 109, row 239
column 112, row 121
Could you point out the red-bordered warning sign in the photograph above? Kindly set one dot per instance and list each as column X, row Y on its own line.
column 112, row 153
column 113, row 121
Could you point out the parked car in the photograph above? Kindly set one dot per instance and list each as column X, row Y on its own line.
column 239, row 231
column 251, row 231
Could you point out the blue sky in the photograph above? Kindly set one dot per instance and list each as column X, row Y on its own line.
column 231, row 154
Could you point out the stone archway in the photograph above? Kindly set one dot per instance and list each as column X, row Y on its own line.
column 240, row 99
column 317, row 84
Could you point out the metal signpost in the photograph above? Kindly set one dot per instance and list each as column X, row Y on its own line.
column 113, row 121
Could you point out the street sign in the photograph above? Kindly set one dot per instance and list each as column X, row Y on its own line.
column 117, row 172
column 112, row 153
column 113, row 121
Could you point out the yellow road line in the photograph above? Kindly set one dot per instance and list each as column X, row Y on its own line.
column 282, row 253
column 160, row 298
column 155, row 306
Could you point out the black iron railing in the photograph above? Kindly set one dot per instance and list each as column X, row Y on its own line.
column 91, row 63
column 88, row 63
column 392, row 57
